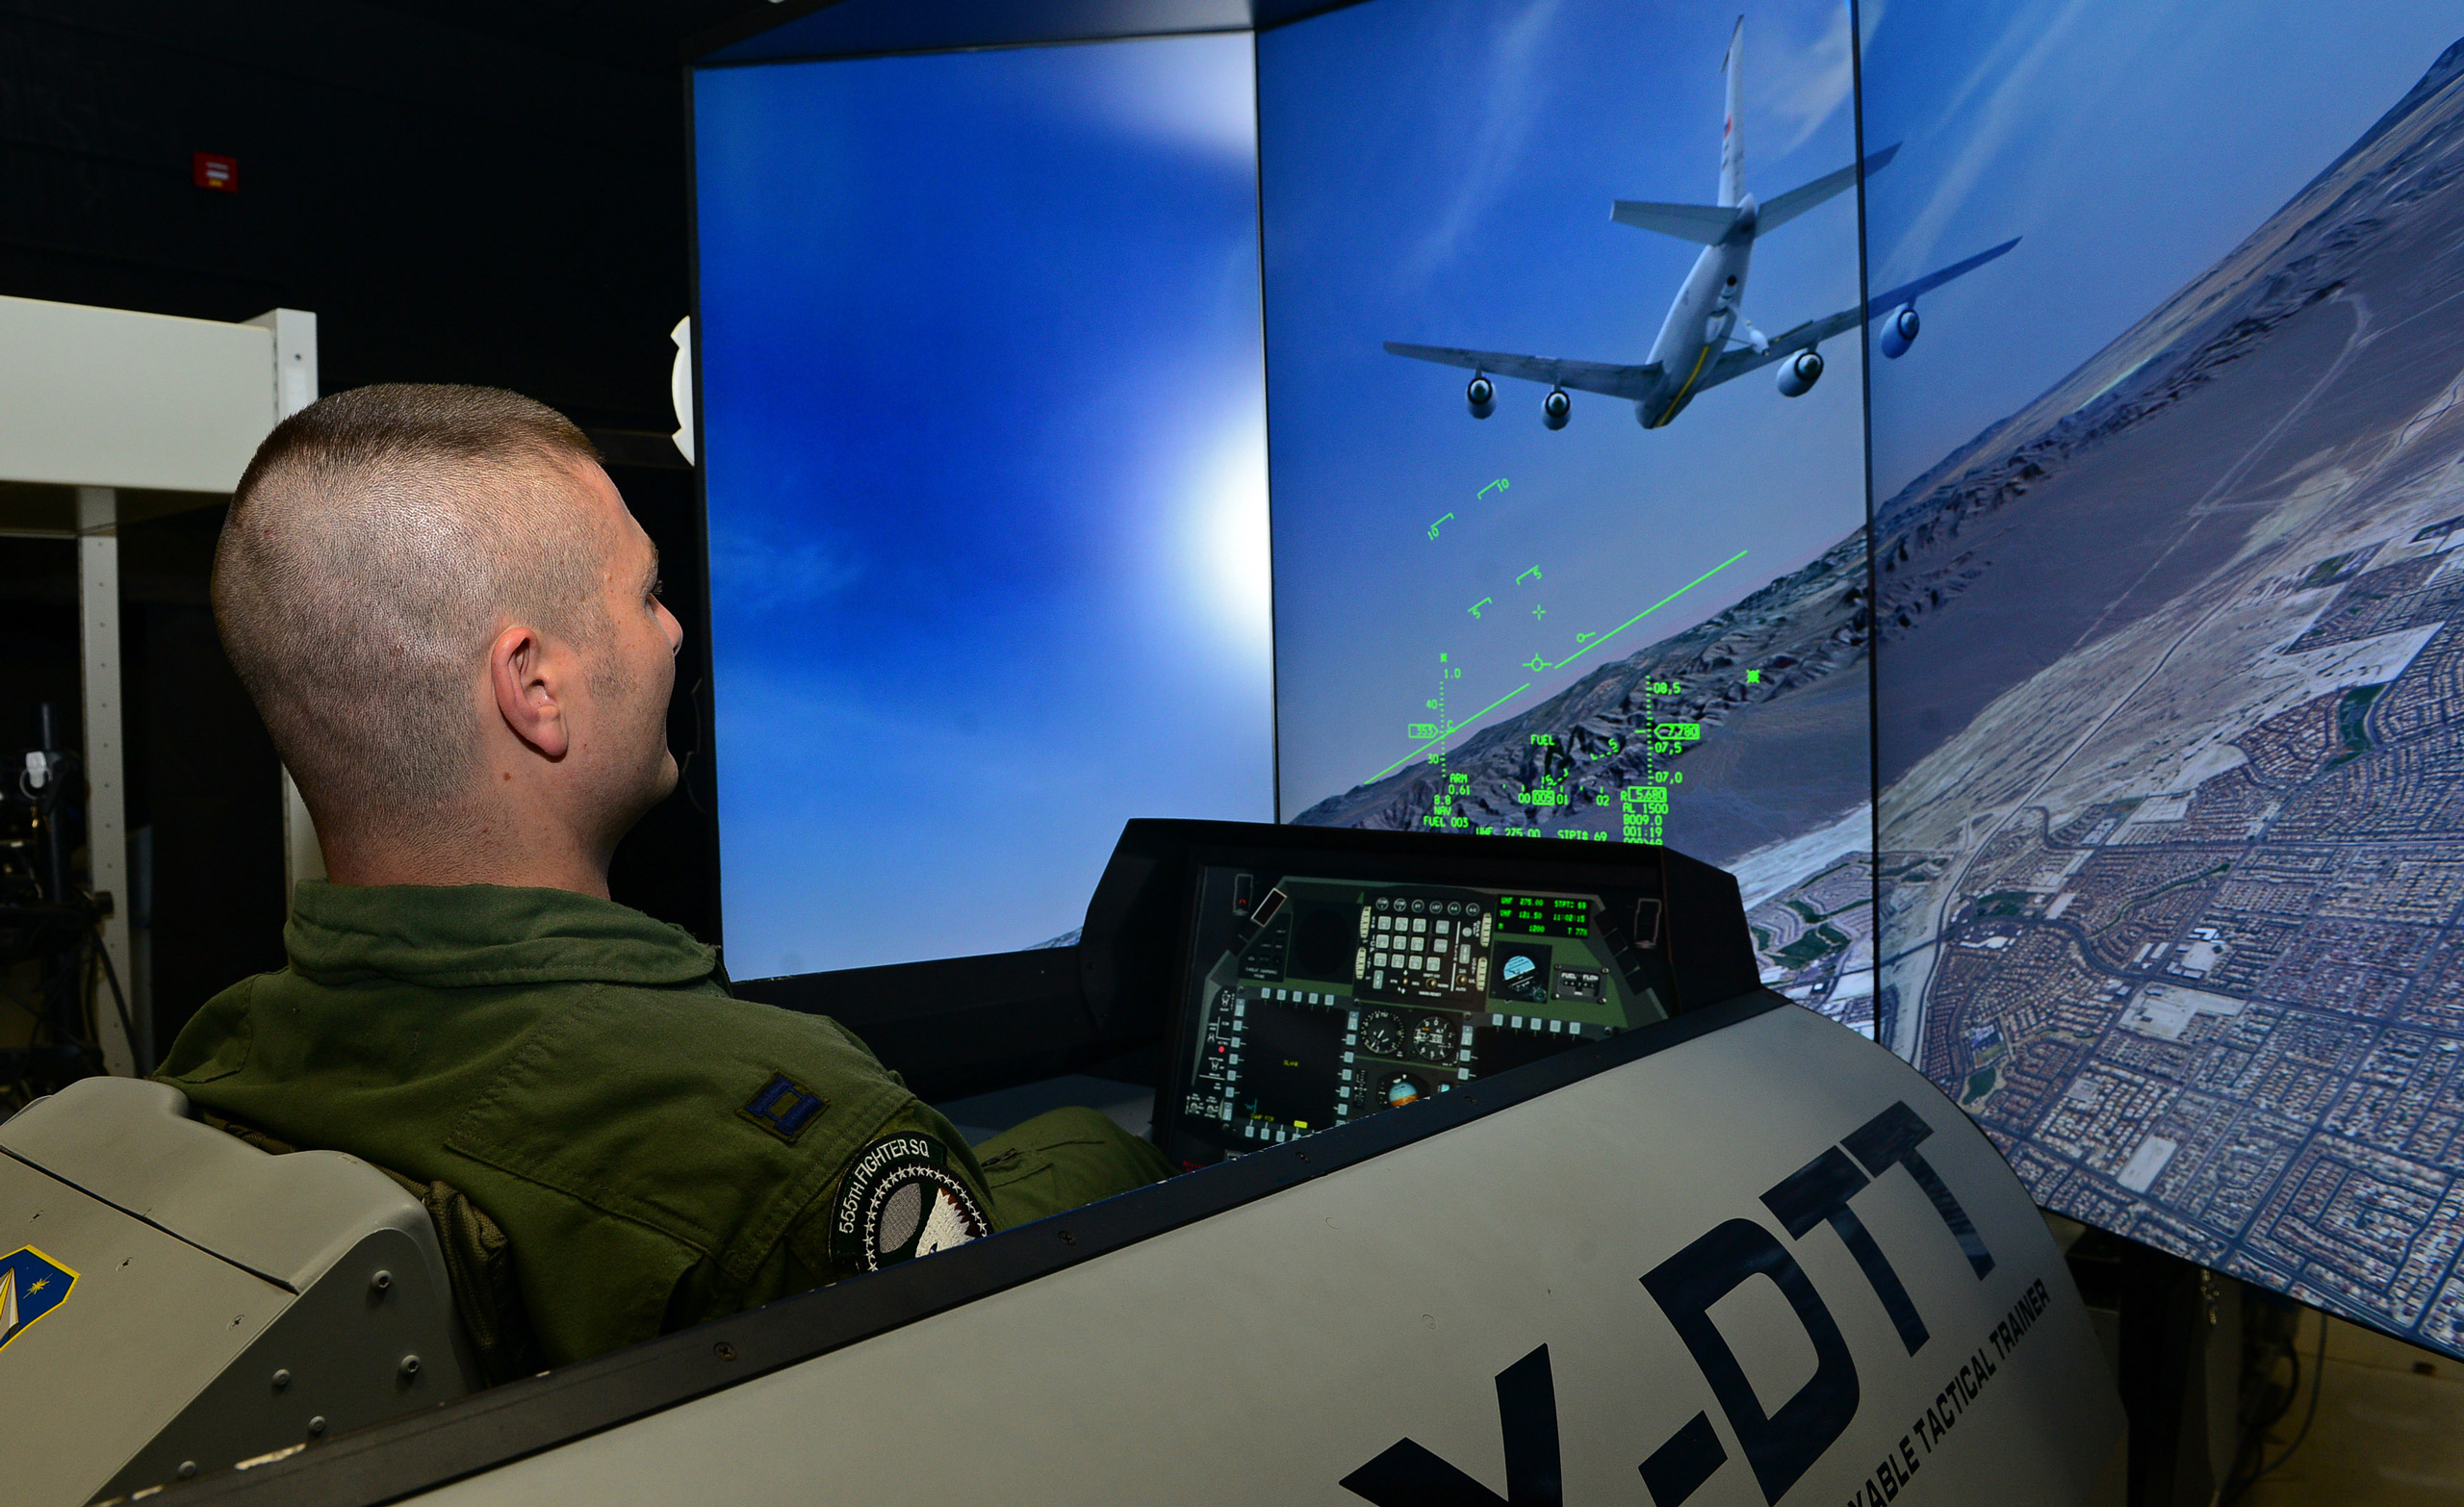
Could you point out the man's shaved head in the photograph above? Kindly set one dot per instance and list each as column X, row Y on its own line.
column 377, row 545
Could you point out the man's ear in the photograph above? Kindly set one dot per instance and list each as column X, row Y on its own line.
column 528, row 691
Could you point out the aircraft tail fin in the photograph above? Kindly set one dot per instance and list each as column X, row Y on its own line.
column 1733, row 133
column 1796, row 201
column 1709, row 224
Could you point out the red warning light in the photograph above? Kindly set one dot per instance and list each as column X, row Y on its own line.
column 216, row 171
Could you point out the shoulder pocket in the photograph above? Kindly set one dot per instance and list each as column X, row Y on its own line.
column 684, row 1111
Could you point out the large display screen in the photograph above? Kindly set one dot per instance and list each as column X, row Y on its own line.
column 1575, row 379
column 1540, row 565
column 985, row 450
column 2171, row 831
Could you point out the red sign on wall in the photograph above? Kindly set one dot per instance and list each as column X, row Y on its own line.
column 216, row 171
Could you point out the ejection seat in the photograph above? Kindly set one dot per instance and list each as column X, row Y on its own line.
column 175, row 1301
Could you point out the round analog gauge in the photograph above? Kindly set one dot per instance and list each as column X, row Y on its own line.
column 1432, row 1039
column 1381, row 1034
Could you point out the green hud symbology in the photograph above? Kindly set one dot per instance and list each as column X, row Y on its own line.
column 1556, row 778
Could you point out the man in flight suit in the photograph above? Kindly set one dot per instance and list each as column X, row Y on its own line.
column 451, row 627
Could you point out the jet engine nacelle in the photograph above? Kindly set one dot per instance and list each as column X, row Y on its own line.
column 1899, row 332
column 1556, row 408
column 1482, row 395
column 1800, row 372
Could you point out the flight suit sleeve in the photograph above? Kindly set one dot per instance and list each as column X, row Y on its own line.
column 889, row 1206
column 914, row 1188
column 909, row 1186
column 1061, row 1159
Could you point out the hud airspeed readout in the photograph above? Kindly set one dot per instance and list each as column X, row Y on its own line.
column 1315, row 1001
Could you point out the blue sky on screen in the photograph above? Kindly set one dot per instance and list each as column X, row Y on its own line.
column 2131, row 145
column 1440, row 171
column 986, row 450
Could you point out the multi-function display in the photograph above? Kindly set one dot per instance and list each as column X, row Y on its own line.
column 1313, row 1002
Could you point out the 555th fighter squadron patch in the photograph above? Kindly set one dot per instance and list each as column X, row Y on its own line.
column 899, row 1200
column 31, row 1284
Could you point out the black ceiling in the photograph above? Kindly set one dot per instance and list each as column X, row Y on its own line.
column 640, row 35
column 486, row 191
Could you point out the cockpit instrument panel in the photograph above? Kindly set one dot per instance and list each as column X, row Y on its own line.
column 1312, row 1002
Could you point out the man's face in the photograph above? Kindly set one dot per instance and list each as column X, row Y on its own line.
column 634, row 673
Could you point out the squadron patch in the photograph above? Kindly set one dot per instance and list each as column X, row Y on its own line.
column 31, row 1284
column 899, row 1200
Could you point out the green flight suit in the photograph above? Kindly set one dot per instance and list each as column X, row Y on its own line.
column 657, row 1153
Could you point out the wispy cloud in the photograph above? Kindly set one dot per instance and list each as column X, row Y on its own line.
column 2008, row 77
column 1799, row 85
column 1506, row 120
column 768, row 576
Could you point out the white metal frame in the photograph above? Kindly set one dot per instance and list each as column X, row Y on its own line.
column 106, row 400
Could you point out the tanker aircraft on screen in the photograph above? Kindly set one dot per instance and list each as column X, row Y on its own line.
column 1691, row 353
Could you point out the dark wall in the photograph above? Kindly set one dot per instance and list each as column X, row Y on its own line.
column 454, row 205
column 37, row 637
column 203, row 786
column 669, row 866
column 460, row 192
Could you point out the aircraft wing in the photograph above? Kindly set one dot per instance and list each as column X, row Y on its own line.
column 1805, row 336
column 1707, row 224
column 1813, row 332
column 1883, row 303
column 1586, row 376
column 1796, row 201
